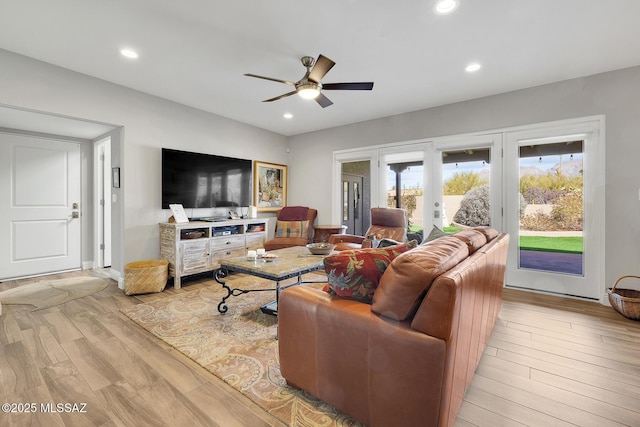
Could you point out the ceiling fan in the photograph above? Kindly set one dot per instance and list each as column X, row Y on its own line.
column 310, row 86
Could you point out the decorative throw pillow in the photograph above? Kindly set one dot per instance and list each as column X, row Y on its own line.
column 410, row 275
column 474, row 239
column 434, row 234
column 355, row 274
column 383, row 243
column 292, row 229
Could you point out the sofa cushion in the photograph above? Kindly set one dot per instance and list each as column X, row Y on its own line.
column 474, row 239
column 409, row 276
column 489, row 232
column 355, row 274
column 292, row 229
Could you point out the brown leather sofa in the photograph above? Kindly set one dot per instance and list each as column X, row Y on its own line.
column 406, row 359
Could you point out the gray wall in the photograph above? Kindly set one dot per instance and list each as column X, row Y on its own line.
column 615, row 94
column 148, row 123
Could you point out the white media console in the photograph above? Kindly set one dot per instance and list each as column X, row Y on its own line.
column 196, row 247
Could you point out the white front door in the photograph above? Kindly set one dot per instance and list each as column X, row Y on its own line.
column 39, row 205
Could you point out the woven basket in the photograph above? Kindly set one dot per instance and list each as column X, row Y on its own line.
column 625, row 301
column 141, row 277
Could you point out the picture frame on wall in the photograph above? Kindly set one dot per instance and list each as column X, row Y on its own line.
column 269, row 186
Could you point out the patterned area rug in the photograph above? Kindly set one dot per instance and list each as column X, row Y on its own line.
column 238, row 347
column 49, row 293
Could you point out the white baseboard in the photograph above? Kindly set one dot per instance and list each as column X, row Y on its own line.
column 605, row 300
column 118, row 277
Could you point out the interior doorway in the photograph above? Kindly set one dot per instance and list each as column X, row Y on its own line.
column 356, row 200
column 102, row 200
column 85, row 134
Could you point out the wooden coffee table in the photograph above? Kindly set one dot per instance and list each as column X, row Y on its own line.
column 290, row 262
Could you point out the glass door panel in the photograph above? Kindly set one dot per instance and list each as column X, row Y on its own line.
column 550, row 236
column 404, row 184
column 352, row 204
column 467, row 182
column 466, row 188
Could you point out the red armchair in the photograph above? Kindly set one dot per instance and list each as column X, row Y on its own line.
column 294, row 227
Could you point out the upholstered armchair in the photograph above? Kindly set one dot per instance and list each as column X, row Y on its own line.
column 386, row 223
column 294, row 227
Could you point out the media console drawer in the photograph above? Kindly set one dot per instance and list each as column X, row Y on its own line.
column 223, row 242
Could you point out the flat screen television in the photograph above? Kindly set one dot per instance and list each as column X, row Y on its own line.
column 197, row 180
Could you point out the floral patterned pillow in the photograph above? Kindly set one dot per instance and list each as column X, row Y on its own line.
column 355, row 274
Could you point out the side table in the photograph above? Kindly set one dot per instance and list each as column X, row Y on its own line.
column 322, row 232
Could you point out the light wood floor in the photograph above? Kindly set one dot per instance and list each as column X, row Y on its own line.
column 554, row 361
column 551, row 361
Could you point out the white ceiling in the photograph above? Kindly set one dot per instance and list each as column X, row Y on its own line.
column 196, row 51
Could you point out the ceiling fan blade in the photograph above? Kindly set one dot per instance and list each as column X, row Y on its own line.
column 270, row 78
column 320, row 68
column 348, row 86
column 323, row 101
column 281, row 96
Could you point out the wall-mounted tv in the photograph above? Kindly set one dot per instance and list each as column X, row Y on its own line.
column 197, row 180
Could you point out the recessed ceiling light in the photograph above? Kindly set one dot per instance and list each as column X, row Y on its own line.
column 444, row 7
column 132, row 54
column 287, row 115
column 473, row 67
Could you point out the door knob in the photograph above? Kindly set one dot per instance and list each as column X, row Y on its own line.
column 75, row 214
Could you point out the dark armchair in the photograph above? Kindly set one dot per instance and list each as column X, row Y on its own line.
column 294, row 227
column 386, row 223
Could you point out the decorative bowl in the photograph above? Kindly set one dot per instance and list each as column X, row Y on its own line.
column 321, row 248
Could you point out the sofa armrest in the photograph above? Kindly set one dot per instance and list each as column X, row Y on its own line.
column 377, row 370
column 345, row 238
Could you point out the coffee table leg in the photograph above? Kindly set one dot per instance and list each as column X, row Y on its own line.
column 218, row 276
column 278, row 291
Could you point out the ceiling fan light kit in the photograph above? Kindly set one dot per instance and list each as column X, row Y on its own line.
column 310, row 85
column 308, row 90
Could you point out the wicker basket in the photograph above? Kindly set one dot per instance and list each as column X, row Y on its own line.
column 143, row 277
column 625, row 301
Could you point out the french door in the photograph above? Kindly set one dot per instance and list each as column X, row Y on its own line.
column 554, row 214
column 555, row 208
column 391, row 170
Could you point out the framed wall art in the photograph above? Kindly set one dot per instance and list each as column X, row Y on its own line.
column 269, row 186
